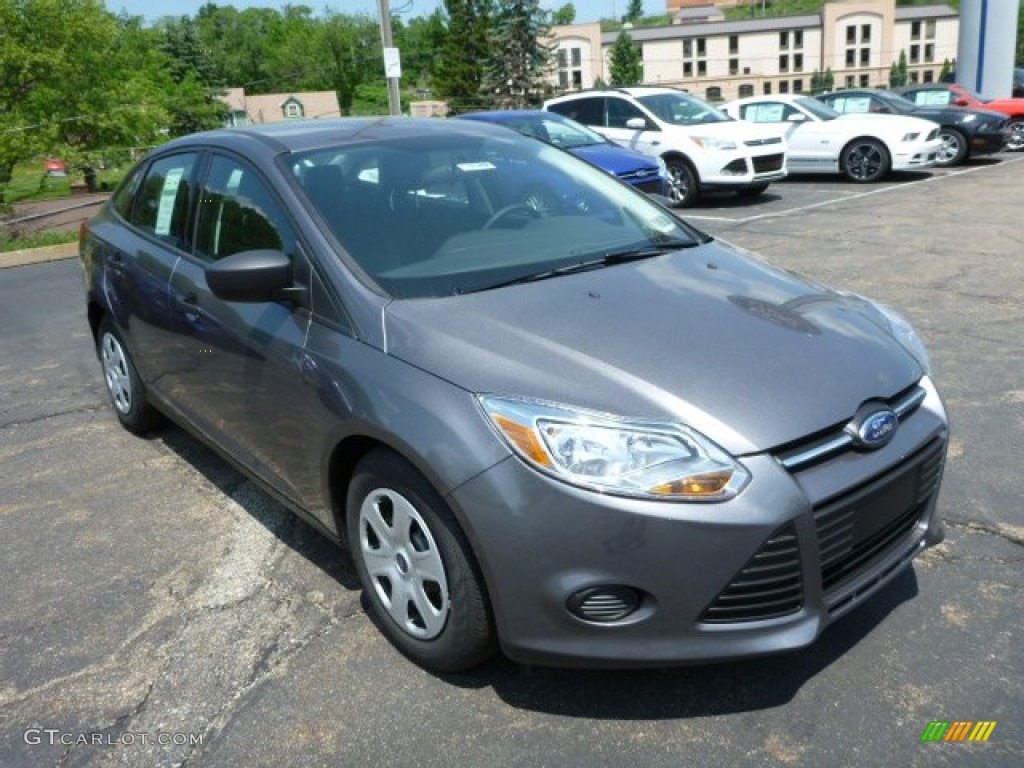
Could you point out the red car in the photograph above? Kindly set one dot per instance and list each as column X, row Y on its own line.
column 56, row 167
column 942, row 94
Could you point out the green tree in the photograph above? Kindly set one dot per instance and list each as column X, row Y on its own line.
column 626, row 66
column 519, row 60
column 460, row 71
column 564, row 15
column 419, row 42
column 898, row 72
column 948, row 68
column 634, row 10
column 352, row 56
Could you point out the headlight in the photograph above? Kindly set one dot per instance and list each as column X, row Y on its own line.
column 605, row 453
column 969, row 118
column 911, row 136
column 713, row 142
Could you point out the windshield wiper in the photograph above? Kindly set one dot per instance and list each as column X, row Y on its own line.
column 615, row 257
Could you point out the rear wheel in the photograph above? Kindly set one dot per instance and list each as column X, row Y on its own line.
column 864, row 160
column 682, row 183
column 124, row 386
column 418, row 573
column 1016, row 141
column 954, row 147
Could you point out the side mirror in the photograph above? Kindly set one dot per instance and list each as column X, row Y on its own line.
column 264, row 275
column 961, row 102
column 637, row 124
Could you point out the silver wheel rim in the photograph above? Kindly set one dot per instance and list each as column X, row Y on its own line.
column 678, row 189
column 403, row 563
column 1016, row 140
column 950, row 148
column 864, row 161
column 115, row 371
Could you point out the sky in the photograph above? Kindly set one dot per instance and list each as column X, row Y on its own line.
column 586, row 10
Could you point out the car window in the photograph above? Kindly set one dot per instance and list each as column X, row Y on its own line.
column 620, row 111
column 851, row 105
column 162, row 204
column 932, row 98
column 567, row 135
column 121, row 201
column 588, row 111
column 767, row 112
column 238, row 213
column 682, row 109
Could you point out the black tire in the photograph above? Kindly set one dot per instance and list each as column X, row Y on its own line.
column 954, row 147
column 1016, row 141
column 753, row 190
column 683, row 189
column 865, row 160
column 125, row 388
column 420, row 579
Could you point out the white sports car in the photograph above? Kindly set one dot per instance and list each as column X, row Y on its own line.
column 862, row 147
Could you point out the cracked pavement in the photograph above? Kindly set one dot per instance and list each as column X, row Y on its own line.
column 149, row 589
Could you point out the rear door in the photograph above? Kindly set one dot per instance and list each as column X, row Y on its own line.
column 811, row 144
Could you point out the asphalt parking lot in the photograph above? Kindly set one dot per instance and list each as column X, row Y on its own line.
column 159, row 610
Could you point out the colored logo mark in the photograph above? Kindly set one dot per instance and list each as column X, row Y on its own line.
column 958, row 730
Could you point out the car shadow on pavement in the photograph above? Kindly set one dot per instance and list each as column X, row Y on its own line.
column 732, row 200
column 684, row 692
column 299, row 536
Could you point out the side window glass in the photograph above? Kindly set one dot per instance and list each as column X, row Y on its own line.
column 163, row 200
column 238, row 213
column 589, row 111
column 122, row 198
column 620, row 111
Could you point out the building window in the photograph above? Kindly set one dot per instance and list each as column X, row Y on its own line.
column 850, row 81
column 784, row 86
column 713, row 93
column 577, row 79
column 851, row 34
column 687, row 48
column 783, row 40
column 929, row 52
column 928, row 75
column 915, row 30
column 563, row 58
column 798, row 86
column 913, row 76
column 687, row 69
column 798, row 38
column 563, row 79
column 292, row 110
column 865, row 81
column 570, row 68
column 915, row 54
column 929, row 29
column 734, row 66
column 701, row 47
column 767, row 88
column 865, row 33
column 747, row 90
column 576, row 55
column 702, row 68
column 865, row 57
column 851, row 57
column 798, row 62
column 734, row 43
column 784, row 63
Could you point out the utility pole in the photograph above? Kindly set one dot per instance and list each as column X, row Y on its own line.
column 392, row 66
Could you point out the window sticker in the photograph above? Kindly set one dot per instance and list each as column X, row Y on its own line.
column 172, row 181
column 482, row 165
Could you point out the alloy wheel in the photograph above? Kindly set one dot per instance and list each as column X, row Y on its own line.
column 115, row 371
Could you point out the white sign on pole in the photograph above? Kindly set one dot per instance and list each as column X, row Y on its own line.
column 392, row 63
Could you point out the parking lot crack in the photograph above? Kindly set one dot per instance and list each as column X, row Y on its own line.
column 1010, row 533
column 55, row 414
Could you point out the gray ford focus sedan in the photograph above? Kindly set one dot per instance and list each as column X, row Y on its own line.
column 583, row 432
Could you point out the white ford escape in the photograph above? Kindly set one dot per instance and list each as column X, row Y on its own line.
column 704, row 148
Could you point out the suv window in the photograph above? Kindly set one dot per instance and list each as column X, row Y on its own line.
column 238, row 213
column 162, row 204
column 589, row 111
column 620, row 110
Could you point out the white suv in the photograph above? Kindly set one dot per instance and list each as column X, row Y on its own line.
column 704, row 148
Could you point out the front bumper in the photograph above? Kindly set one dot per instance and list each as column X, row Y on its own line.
column 989, row 142
column 916, row 155
column 771, row 558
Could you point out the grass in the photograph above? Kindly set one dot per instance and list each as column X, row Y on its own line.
column 29, row 182
column 35, row 240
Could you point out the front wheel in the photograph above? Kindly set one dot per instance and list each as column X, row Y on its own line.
column 418, row 573
column 1016, row 141
column 954, row 148
column 682, row 183
column 865, row 160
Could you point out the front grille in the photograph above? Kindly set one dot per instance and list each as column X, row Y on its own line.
column 865, row 525
column 767, row 587
column 640, row 173
column 654, row 186
column 766, row 163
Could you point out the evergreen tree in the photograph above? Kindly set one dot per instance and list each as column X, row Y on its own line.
column 634, row 10
column 898, row 71
column 460, row 68
column 564, row 15
column 518, row 60
column 626, row 65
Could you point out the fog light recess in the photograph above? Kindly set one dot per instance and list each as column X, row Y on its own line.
column 605, row 604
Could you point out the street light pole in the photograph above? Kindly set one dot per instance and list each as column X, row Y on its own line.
column 394, row 103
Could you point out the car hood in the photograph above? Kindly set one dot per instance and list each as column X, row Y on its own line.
column 615, row 159
column 957, row 114
column 737, row 130
column 751, row 356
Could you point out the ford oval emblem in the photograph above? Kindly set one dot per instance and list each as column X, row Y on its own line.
column 877, row 429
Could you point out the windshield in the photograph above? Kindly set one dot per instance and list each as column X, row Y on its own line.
column 682, row 109
column 816, row 108
column 445, row 214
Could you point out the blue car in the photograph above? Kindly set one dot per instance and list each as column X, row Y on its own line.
column 646, row 173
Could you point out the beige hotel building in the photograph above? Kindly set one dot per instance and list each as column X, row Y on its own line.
column 859, row 40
